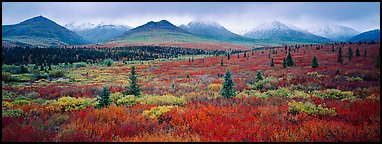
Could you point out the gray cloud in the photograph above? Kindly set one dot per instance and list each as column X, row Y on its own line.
column 235, row 16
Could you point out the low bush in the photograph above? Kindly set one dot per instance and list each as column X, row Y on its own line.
column 162, row 100
column 309, row 108
column 155, row 112
column 67, row 103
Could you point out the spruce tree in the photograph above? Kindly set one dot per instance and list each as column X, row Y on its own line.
column 259, row 77
column 289, row 60
column 134, row 86
column 339, row 58
column 173, row 86
column 364, row 54
column 315, row 62
column 104, row 98
column 357, row 54
column 284, row 63
column 379, row 58
column 228, row 84
column 350, row 53
column 272, row 63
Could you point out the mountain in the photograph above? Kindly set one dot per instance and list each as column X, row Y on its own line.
column 80, row 27
column 372, row 35
column 102, row 33
column 210, row 29
column 281, row 32
column 158, row 32
column 335, row 32
column 39, row 31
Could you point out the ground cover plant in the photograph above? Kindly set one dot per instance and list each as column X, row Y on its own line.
column 289, row 93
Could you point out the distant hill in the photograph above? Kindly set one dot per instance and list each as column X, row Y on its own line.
column 372, row 35
column 335, row 32
column 158, row 32
column 209, row 29
column 39, row 31
column 278, row 31
column 102, row 33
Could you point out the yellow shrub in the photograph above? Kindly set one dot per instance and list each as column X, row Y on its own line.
column 69, row 103
column 215, row 87
column 156, row 111
column 165, row 100
column 114, row 97
column 126, row 100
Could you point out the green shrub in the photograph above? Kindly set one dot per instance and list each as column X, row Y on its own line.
column 127, row 100
column 57, row 73
column 353, row 78
column 281, row 92
column 300, row 94
column 8, row 77
column 334, row 94
column 266, row 83
column 20, row 102
column 5, row 95
column 309, row 108
column 12, row 113
column 108, row 62
column 80, row 64
column 42, row 76
column 156, row 111
column 114, row 97
column 13, row 69
column 23, row 77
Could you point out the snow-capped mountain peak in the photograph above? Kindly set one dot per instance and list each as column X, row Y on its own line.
column 79, row 27
column 205, row 23
column 335, row 32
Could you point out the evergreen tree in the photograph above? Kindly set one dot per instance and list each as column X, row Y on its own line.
column 378, row 61
column 339, row 58
column 379, row 58
column 315, row 62
column 173, row 86
column 289, row 60
column 350, row 53
column 221, row 62
column 259, row 77
column 228, row 84
column 134, row 86
column 357, row 54
column 272, row 63
column 229, row 56
column 104, row 98
column 284, row 63
column 364, row 54
column 24, row 69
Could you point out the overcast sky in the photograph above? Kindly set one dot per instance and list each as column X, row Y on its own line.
column 235, row 16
